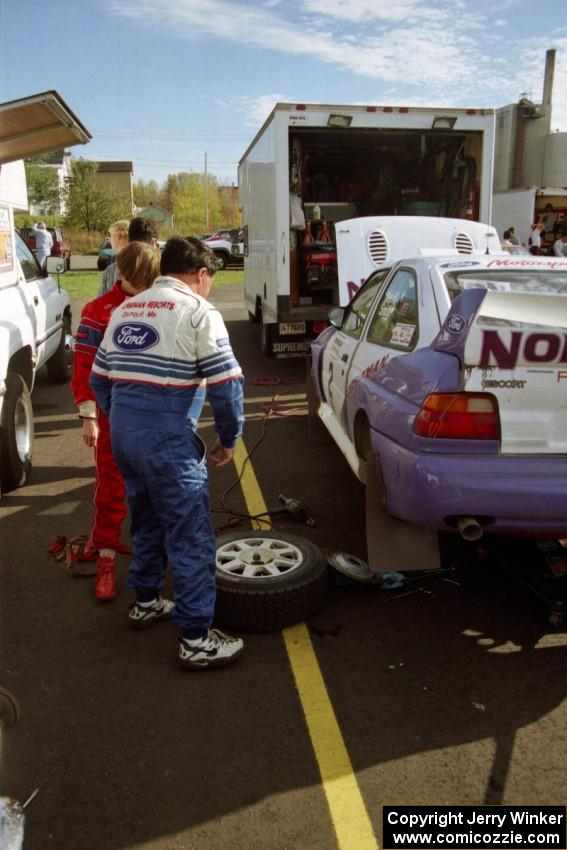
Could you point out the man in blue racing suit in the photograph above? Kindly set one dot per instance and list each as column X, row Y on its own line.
column 160, row 350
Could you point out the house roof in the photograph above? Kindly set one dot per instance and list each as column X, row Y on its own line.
column 106, row 167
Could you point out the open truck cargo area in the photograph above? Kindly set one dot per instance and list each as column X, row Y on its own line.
column 313, row 166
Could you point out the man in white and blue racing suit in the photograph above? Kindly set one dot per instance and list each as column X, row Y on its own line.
column 159, row 352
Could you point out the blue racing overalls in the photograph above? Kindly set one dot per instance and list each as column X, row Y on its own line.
column 162, row 348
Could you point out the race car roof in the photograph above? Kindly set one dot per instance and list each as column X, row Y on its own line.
column 36, row 125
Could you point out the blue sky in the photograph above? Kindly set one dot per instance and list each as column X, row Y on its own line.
column 162, row 82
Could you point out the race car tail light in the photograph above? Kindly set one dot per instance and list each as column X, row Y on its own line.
column 459, row 416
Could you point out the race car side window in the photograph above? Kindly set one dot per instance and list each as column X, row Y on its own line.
column 27, row 260
column 359, row 307
column 394, row 322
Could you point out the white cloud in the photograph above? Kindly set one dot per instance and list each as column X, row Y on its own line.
column 447, row 52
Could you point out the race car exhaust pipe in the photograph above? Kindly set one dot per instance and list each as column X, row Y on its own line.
column 469, row 528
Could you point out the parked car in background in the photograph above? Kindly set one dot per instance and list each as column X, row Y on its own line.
column 222, row 243
column 61, row 248
column 106, row 255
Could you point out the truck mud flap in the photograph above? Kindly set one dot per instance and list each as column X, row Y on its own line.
column 391, row 543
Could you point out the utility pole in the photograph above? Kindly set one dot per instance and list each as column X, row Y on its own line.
column 206, row 197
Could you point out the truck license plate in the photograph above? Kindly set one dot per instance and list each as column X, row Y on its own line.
column 291, row 328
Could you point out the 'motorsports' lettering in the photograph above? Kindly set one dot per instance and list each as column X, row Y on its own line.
column 535, row 348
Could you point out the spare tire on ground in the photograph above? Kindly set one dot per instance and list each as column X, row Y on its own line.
column 267, row 580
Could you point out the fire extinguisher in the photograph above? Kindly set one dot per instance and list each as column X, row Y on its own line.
column 473, row 203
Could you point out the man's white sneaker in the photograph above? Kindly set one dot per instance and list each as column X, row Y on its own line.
column 214, row 650
column 142, row 616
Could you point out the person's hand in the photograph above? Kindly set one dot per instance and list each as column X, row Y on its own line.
column 90, row 432
column 219, row 454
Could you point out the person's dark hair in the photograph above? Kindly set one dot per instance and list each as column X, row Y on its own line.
column 187, row 256
column 506, row 234
column 142, row 230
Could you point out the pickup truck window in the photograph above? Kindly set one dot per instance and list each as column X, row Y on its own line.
column 27, row 259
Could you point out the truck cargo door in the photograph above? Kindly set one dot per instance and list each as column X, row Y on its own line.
column 516, row 350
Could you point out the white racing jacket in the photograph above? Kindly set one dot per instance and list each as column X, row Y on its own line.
column 161, row 349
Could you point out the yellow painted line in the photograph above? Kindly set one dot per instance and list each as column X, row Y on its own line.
column 348, row 812
column 350, row 818
column 250, row 487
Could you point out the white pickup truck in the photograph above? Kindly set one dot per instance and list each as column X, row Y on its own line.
column 35, row 330
column 35, row 314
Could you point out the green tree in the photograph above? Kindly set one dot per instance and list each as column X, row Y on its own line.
column 43, row 185
column 145, row 193
column 90, row 204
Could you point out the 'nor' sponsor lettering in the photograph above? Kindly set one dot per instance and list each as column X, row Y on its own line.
column 531, row 348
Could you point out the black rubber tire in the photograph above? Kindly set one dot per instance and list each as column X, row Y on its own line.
column 9, row 709
column 255, row 317
column 268, row 604
column 267, row 339
column 17, row 413
column 60, row 364
column 222, row 260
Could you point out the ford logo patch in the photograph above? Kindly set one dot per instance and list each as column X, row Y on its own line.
column 134, row 336
column 455, row 324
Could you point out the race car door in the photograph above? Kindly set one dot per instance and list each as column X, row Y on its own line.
column 404, row 316
column 339, row 353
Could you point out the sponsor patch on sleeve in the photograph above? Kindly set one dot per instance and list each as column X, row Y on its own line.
column 224, row 342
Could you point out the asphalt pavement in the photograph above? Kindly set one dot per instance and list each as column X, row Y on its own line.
column 441, row 694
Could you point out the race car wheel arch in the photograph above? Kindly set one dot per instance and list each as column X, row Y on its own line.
column 17, row 429
column 361, row 433
column 267, row 580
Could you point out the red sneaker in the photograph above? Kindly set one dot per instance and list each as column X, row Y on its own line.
column 105, row 585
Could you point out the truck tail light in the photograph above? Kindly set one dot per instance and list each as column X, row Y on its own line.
column 459, row 416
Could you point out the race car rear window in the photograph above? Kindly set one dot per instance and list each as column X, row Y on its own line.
column 507, row 280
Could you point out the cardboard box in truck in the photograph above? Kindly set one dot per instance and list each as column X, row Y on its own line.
column 313, row 166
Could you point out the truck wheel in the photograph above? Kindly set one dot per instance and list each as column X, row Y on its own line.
column 267, row 580
column 256, row 315
column 60, row 364
column 16, row 445
column 222, row 260
column 267, row 343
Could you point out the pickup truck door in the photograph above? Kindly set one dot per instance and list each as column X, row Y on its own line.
column 43, row 303
column 340, row 352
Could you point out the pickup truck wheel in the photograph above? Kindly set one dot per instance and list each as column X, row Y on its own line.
column 222, row 260
column 60, row 364
column 267, row 580
column 9, row 710
column 16, row 445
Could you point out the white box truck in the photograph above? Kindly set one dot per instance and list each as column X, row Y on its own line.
column 312, row 166
column 520, row 208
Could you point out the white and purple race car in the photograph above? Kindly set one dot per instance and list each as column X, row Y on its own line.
column 444, row 384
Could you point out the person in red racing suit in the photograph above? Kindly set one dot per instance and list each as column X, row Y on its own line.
column 138, row 265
